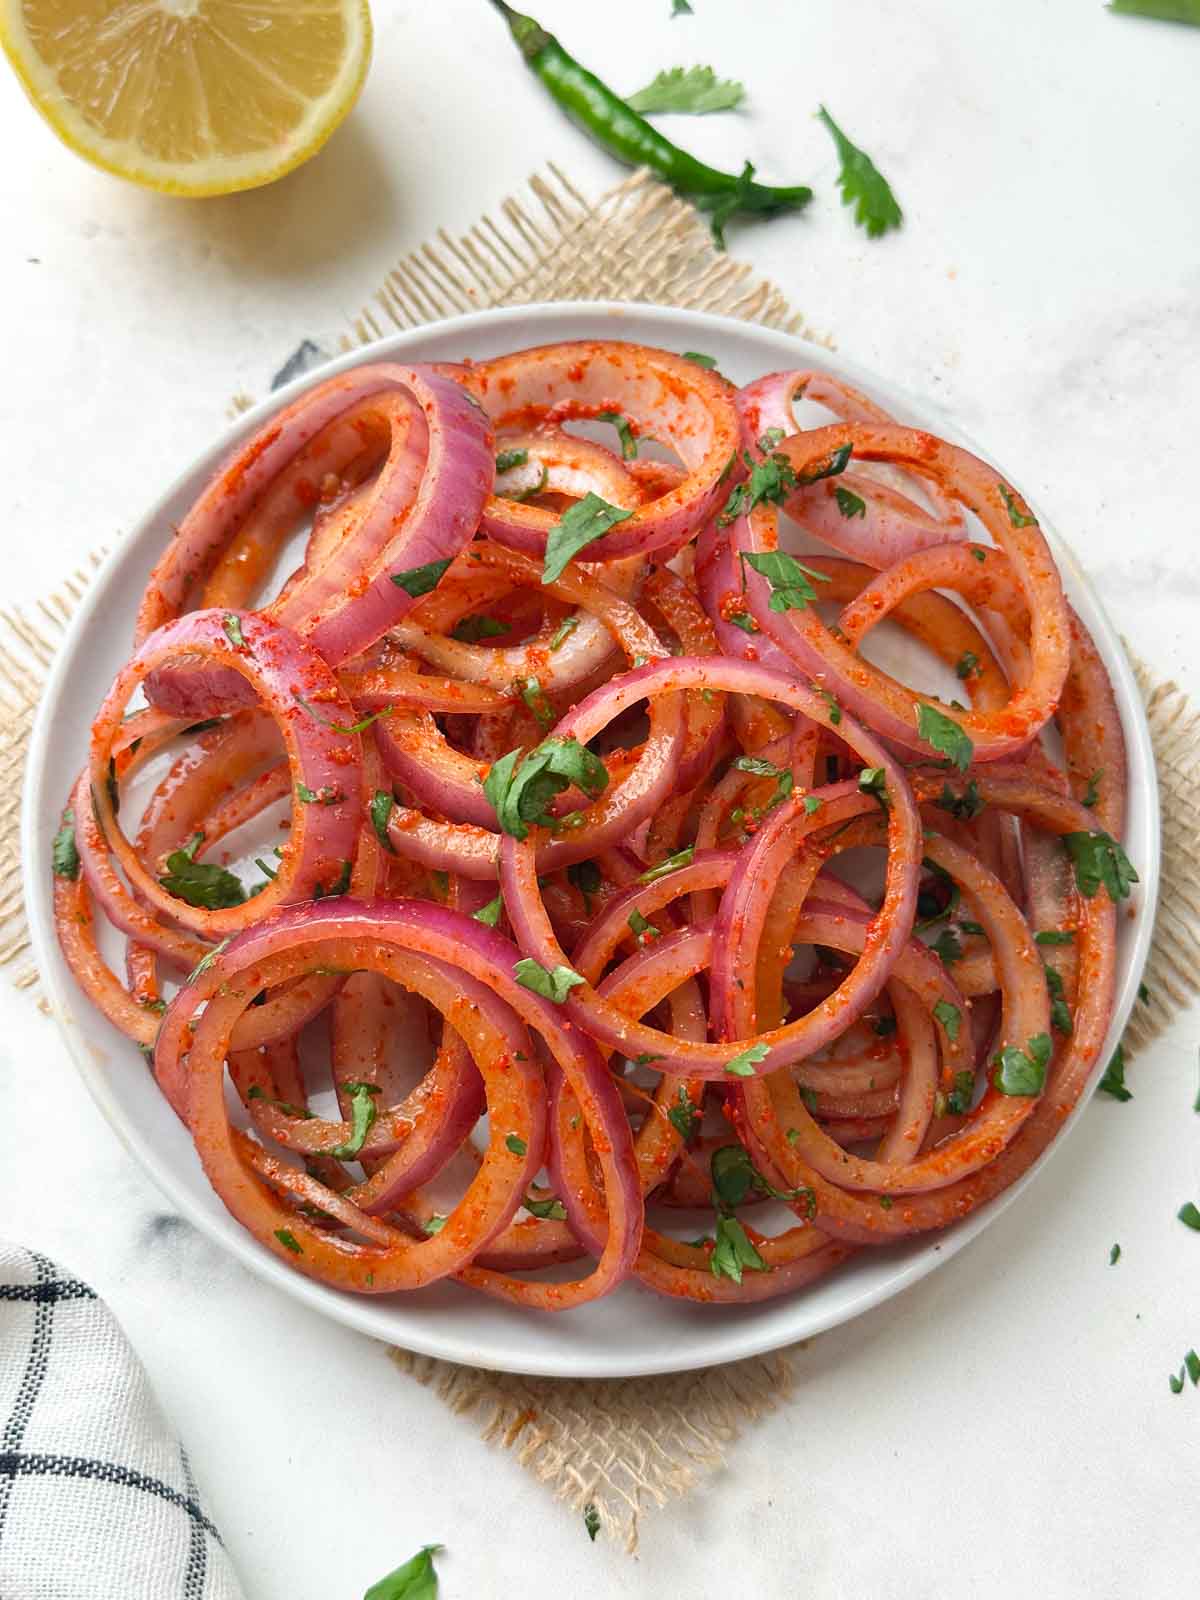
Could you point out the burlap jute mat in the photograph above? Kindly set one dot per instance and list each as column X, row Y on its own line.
column 624, row 1447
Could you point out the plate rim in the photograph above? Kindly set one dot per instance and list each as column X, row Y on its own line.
column 733, row 1341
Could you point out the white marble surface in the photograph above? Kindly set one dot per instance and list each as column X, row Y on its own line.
column 1005, row 1427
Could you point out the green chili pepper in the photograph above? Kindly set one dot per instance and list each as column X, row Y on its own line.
column 632, row 139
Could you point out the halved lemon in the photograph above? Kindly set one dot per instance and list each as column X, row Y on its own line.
column 193, row 97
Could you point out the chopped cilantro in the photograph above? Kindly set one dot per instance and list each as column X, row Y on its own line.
column 849, row 503
column 742, row 1066
column 1098, row 859
column 519, row 795
column 489, row 914
column 553, row 984
column 587, row 520
column 1023, row 1072
column 629, row 447
column 1113, row 1081
column 681, row 858
column 945, row 735
column 64, row 855
column 421, row 580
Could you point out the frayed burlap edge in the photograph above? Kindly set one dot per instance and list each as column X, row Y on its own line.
column 628, row 1446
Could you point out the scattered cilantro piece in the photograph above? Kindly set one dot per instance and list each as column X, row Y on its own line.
column 788, row 578
column 812, row 803
column 519, row 795
column 1143, row 994
column 792, row 1135
column 415, row 1580
column 1113, row 1081
column 232, row 625
column 945, row 735
column 435, row 1223
column 534, row 697
column 587, row 520
column 734, row 1251
column 1098, row 859
column 784, row 777
column 552, row 1208
column 362, row 1118
column 771, row 440
column 508, row 459
column 64, row 855
column 681, row 858
column 1192, row 1362
column 645, row 1060
column 684, row 1114
column 1054, row 936
column 947, row 947
column 112, row 788
column 1189, row 1216
column 289, row 1241
column 565, row 628
column 1114, row 1255
column 1159, row 10
column 206, row 961
column 346, row 728
column 742, row 1066
column 950, row 1018
column 681, row 8
column 472, row 629
column 835, row 710
column 693, row 90
column 1176, row 1382
column 585, row 875
column 699, row 359
column 381, row 809
column 863, row 186
column 735, row 1178
column 873, row 780
column 516, row 1144
column 642, row 930
column 883, row 1027
column 744, row 621
column 591, row 1520
column 420, row 580
column 959, row 1099
column 849, row 503
column 964, row 806
column 1092, row 793
column 968, row 663
column 1060, row 1013
column 339, row 886
column 1017, row 518
column 326, row 795
column 1023, row 1072
column 489, row 914
column 555, row 984
column 629, row 447
column 201, row 883
column 980, row 555
column 832, row 466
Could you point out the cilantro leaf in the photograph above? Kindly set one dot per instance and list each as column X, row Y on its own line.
column 1091, row 794
column 945, row 735
column 863, row 186
column 967, row 664
column 742, row 1066
column 232, row 625
column 201, row 883
column 785, row 779
column 964, row 806
column 514, row 1143
column 1023, row 1072
column 508, row 459
column 733, row 1251
column 849, row 503
column 1160, row 10
column 339, row 886
column 699, row 359
column 812, row 803
column 362, row 1118
column 1189, row 1216
column 640, row 928
column 420, row 580
column 326, row 795
column 681, row 858
column 789, row 579
column 950, row 1018
column 629, row 447
column 534, row 697
column 489, row 914
column 1017, row 518
column 64, row 855
column 958, row 1101
column 415, row 1580
column 735, row 1178
column 472, row 629
column 381, row 809
column 1114, row 1255
column 831, row 466
column 1060, row 1012
column 591, row 1517
column 1113, row 1081
column 289, row 1241
column 681, row 8
column 1098, row 859
column 565, row 628
column 554, row 983
column 435, row 1224
column 873, row 780
column 835, row 710
column 519, row 795
column 552, row 1208
column 947, row 948
column 587, row 520
column 684, row 1115
column 692, row 90
column 1054, row 936
column 585, row 875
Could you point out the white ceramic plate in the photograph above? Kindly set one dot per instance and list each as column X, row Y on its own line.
column 632, row 1331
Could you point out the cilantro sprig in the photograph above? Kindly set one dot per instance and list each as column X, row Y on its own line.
column 1099, row 860
column 791, row 589
column 863, row 186
column 694, row 91
column 201, row 883
column 520, row 790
